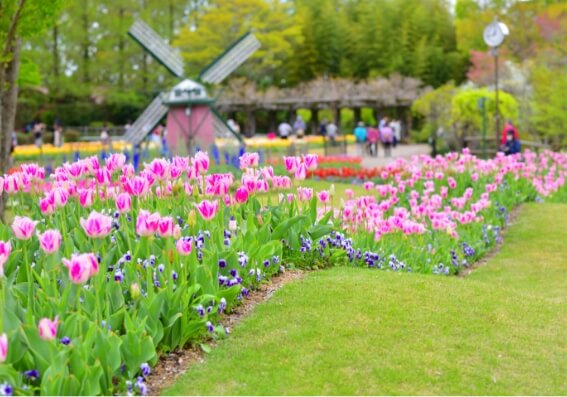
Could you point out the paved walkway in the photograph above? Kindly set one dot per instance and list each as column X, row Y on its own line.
column 401, row 151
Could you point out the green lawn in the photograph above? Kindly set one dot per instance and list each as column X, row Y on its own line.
column 501, row 330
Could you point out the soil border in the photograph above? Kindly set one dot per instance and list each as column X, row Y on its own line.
column 170, row 366
column 512, row 216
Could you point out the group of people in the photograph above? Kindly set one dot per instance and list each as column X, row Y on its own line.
column 285, row 130
column 38, row 130
column 388, row 133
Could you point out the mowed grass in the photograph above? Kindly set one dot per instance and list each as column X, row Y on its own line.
column 501, row 330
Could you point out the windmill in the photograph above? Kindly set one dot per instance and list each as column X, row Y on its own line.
column 191, row 115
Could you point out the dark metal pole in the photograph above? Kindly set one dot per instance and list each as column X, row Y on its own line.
column 497, row 109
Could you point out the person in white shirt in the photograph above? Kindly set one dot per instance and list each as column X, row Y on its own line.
column 285, row 130
column 332, row 132
column 396, row 126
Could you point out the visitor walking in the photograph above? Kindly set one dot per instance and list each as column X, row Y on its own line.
column 512, row 144
column 396, row 126
column 373, row 138
column 234, row 126
column 332, row 133
column 57, row 135
column 105, row 140
column 323, row 128
column 508, row 128
column 38, row 134
column 284, row 130
column 361, row 134
column 299, row 127
column 387, row 138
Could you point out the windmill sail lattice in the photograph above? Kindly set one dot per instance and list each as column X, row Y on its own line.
column 192, row 116
column 147, row 121
column 231, row 59
column 155, row 45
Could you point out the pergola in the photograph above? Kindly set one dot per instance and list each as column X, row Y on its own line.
column 381, row 94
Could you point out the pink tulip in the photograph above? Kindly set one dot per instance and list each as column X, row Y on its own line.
column 10, row 184
column 81, row 267
column 452, row 183
column 123, row 202
column 304, row 193
column 115, row 162
column 349, row 194
column 291, row 164
column 208, row 209
column 23, row 227
column 128, row 171
column 323, row 196
column 159, row 168
column 311, row 161
column 201, row 163
column 137, row 186
column 46, row 206
column 49, row 241
column 3, row 347
column 241, row 195
column 34, row 171
column 184, row 246
column 86, row 197
column 249, row 160
column 59, row 197
column 103, row 176
column 175, row 172
column 188, row 188
column 48, row 328
column 301, row 172
column 5, row 251
column 180, row 162
column 168, row 228
column 147, row 224
column 97, row 225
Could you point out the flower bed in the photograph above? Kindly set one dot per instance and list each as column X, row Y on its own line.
column 102, row 269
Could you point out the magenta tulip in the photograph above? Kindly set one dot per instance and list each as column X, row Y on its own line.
column 97, row 225
column 81, row 267
column 147, row 224
column 49, row 241
column 3, row 347
column 5, row 251
column 241, row 195
column 184, row 246
column 208, row 209
column 23, row 227
column 123, row 202
column 48, row 328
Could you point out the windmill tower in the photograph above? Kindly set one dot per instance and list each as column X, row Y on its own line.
column 192, row 118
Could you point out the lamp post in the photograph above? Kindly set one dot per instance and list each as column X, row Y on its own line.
column 494, row 35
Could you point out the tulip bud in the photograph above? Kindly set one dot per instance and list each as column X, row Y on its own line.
column 191, row 218
column 135, row 291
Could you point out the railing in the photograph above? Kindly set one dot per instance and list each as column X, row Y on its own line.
column 474, row 144
column 336, row 146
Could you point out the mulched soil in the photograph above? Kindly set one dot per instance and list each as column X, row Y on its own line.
column 486, row 258
column 172, row 365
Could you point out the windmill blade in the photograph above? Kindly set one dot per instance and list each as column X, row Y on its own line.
column 221, row 128
column 231, row 59
column 154, row 44
column 146, row 122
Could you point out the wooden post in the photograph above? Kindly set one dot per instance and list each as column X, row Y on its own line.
column 272, row 122
column 314, row 121
column 357, row 115
column 337, row 116
column 291, row 116
column 250, row 122
column 376, row 115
